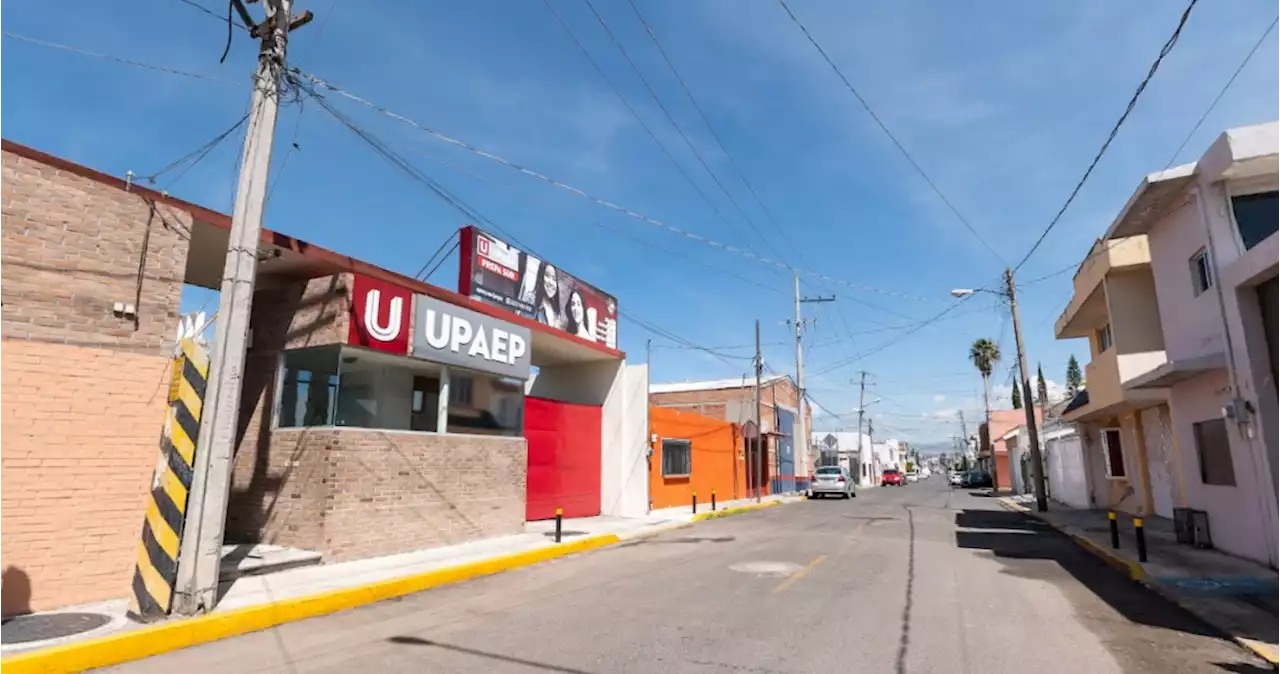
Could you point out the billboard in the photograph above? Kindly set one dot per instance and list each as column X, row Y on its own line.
column 500, row 274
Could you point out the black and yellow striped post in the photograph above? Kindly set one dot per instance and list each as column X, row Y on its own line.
column 713, row 500
column 559, row 522
column 156, row 568
column 1115, row 530
column 695, row 502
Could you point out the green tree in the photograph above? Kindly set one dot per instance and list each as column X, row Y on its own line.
column 984, row 354
column 1017, row 395
column 1074, row 378
column 1042, row 389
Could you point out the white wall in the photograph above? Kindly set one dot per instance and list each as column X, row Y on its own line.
column 1068, row 470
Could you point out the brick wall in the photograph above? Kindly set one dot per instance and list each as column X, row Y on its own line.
column 354, row 493
column 84, row 391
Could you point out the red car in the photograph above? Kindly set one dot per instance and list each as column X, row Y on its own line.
column 892, row 478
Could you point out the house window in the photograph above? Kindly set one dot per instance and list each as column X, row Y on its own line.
column 1255, row 217
column 460, row 391
column 1104, row 338
column 1213, row 450
column 1113, row 451
column 676, row 458
column 309, row 388
column 1201, row 272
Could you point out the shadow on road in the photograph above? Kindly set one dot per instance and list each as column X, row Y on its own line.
column 1018, row 540
column 904, row 639
column 533, row 664
column 1243, row 668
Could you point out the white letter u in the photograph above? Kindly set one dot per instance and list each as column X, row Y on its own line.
column 371, row 305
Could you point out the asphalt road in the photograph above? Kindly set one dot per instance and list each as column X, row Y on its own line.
column 917, row 579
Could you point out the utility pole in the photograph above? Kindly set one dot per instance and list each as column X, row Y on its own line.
column 964, row 428
column 1033, row 433
column 862, row 401
column 802, row 435
column 201, row 548
column 758, row 453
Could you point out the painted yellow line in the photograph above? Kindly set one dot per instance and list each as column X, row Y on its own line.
column 181, row 633
column 799, row 574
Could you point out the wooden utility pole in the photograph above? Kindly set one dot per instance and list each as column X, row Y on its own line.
column 801, row 440
column 1033, row 433
column 200, row 552
column 757, row 445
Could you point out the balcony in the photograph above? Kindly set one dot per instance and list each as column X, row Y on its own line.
column 1105, row 378
column 1088, row 308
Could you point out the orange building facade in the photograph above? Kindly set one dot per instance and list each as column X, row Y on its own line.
column 693, row 453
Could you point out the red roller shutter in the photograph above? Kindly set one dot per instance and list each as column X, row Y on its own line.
column 564, row 458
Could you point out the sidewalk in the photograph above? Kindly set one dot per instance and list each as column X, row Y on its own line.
column 1233, row 595
column 255, row 602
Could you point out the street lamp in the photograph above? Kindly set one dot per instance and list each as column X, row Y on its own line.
column 1033, row 433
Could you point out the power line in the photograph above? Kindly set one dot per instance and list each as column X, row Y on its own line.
column 1248, row 57
column 707, row 122
column 195, row 156
column 644, row 125
column 581, row 193
column 117, row 59
column 1133, row 101
column 220, row 18
column 876, row 118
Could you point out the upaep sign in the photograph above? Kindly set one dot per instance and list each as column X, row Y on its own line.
column 452, row 335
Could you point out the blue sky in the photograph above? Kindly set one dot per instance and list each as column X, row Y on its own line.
column 1003, row 104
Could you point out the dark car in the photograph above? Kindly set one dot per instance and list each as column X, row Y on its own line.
column 892, row 478
column 976, row 479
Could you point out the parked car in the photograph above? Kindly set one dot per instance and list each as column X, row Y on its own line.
column 976, row 479
column 913, row 476
column 954, row 478
column 831, row 481
column 892, row 478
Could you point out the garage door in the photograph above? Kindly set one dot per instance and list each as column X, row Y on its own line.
column 564, row 458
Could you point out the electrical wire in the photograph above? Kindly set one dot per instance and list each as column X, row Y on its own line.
column 670, row 118
column 653, row 37
column 1133, row 101
column 318, row 82
column 195, row 156
column 635, row 114
column 876, row 118
column 1248, row 57
column 118, row 59
column 221, row 19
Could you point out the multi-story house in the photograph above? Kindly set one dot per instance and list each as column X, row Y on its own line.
column 1178, row 301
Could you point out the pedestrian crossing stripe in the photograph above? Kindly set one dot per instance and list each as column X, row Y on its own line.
column 155, row 570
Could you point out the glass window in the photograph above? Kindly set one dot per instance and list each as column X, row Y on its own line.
column 1104, row 338
column 1201, row 272
column 308, row 387
column 1213, row 449
column 676, row 458
column 1114, row 452
column 485, row 405
column 1256, row 217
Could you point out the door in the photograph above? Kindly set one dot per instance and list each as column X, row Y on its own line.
column 786, row 470
column 1159, row 459
column 564, row 458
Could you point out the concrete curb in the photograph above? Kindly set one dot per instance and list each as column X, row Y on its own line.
column 173, row 635
column 1136, row 573
column 178, row 634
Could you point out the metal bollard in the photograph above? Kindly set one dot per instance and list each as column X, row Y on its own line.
column 1141, row 537
column 559, row 522
column 695, row 502
column 1115, row 530
column 713, row 500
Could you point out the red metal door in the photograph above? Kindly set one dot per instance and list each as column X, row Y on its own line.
column 564, row 458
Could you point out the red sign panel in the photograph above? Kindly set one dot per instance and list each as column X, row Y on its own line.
column 495, row 272
column 380, row 315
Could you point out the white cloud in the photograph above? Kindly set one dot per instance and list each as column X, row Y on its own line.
column 939, row 398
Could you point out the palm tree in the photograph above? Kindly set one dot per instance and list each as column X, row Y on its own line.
column 985, row 354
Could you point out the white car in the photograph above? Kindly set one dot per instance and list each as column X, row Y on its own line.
column 913, row 476
column 955, row 477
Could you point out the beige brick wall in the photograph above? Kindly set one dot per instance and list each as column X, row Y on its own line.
column 356, row 493
column 83, row 390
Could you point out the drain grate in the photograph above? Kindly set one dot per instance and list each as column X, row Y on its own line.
column 28, row 628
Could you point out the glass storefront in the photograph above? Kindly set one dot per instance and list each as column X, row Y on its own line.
column 354, row 387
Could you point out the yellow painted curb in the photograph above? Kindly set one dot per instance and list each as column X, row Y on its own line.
column 182, row 633
column 1264, row 650
column 737, row 510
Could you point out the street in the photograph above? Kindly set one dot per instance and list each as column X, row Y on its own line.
column 916, row 579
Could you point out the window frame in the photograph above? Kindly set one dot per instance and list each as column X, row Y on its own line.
column 688, row 449
column 1110, row 340
column 1246, row 194
column 1201, row 272
column 1225, row 451
column 1106, row 453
